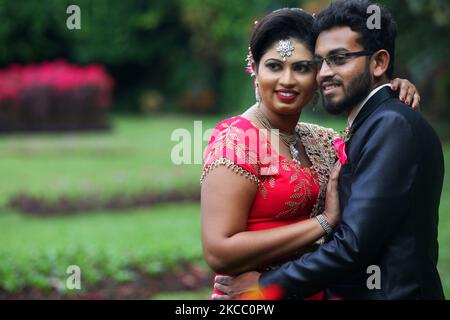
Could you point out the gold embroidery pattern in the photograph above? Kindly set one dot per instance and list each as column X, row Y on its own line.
column 302, row 191
column 262, row 186
column 318, row 142
column 234, row 167
column 285, row 165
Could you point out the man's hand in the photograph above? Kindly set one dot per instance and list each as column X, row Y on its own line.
column 245, row 284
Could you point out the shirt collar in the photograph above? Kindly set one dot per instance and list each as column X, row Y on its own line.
column 352, row 116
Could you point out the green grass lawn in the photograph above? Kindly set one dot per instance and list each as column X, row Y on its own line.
column 134, row 156
column 102, row 244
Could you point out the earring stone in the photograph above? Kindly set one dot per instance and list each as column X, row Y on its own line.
column 285, row 48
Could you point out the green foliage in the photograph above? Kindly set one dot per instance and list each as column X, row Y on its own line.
column 422, row 50
column 439, row 10
column 177, row 47
column 192, row 51
column 112, row 32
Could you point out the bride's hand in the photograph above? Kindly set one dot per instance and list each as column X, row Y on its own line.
column 408, row 92
column 332, row 210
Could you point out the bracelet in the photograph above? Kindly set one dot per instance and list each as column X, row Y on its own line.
column 324, row 223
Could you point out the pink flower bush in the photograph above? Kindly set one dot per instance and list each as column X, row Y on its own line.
column 54, row 95
column 59, row 75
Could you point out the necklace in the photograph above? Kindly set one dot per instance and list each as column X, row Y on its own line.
column 290, row 140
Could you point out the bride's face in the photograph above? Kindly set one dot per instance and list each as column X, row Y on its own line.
column 286, row 86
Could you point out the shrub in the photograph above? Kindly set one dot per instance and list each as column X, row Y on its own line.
column 54, row 96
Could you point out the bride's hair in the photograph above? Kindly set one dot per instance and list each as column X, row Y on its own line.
column 279, row 25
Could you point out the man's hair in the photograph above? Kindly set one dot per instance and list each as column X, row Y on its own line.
column 353, row 13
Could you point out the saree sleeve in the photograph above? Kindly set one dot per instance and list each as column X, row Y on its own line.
column 233, row 144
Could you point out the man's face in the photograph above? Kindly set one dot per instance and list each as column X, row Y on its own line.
column 345, row 84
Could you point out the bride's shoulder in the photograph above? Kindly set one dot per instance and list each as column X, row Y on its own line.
column 234, row 122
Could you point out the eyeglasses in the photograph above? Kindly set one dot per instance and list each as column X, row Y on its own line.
column 340, row 59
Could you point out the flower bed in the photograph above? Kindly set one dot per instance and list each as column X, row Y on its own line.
column 64, row 205
column 54, row 96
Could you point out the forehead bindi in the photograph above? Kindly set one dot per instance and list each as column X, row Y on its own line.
column 300, row 53
column 337, row 38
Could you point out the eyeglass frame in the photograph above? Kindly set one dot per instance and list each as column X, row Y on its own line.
column 318, row 62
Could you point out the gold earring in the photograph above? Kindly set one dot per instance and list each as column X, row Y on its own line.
column 257, row 95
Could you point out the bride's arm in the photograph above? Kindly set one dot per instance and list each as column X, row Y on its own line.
column 226, row 199
column 408, row 92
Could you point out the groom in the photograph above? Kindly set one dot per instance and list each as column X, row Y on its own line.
column 390, row 189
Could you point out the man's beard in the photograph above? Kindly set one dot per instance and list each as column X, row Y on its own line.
column 357, row 90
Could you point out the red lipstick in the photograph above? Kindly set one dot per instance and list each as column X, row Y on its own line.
column 286, row 95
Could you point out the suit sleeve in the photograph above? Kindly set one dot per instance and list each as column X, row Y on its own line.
column 379, row 201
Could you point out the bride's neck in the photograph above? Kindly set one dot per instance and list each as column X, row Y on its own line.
column 285, row 123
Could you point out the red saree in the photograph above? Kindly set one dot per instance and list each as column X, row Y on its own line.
column 287, row 191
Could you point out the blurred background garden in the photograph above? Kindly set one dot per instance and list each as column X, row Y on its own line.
column 86, row 123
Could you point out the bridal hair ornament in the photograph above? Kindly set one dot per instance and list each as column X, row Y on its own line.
column 285, row 48
column 250, row 62
column 249, row 70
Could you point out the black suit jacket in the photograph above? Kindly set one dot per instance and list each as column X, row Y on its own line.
column 389, row 196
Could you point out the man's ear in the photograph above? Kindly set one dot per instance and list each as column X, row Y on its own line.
column 380, row 63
